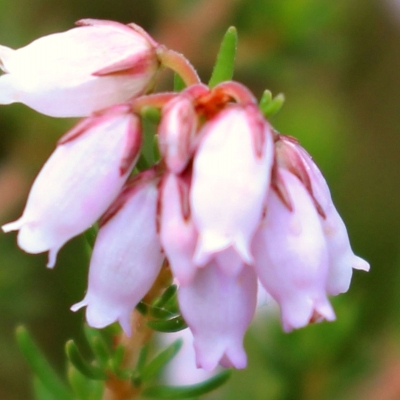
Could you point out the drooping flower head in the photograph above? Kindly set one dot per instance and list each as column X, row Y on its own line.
column 229, row 205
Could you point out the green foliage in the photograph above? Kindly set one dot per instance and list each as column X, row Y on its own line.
column 90, row 236
column 165, row 312
column 40, row 390
column 83, row 366
column 179, row 84
column 166, row 305
column 154, row 367
column 84, row 388
column 270, row 106
column 225, row 64
column 185, row 392
column 151, row 114
column 174, row 324
column 50, row 383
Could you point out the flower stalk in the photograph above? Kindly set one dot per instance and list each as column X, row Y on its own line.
column 179, row 64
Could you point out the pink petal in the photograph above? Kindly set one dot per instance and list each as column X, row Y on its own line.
column 342, row 260
column 126, row 259
column 231, row 175
column 78, row 182
column 177, row 232
column 218, row 309
column 56, row 74
column 291, row 257
column 176, row 132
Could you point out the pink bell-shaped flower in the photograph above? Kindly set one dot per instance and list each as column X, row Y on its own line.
column 176, row 131
column 231, row 176
column 77, row 72
column 218, row 308
column 178, row 234
column 342, row 260
column 126, row 257
column 79, row 181
column 291, row 257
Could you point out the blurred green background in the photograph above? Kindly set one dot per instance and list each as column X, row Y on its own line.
column 338, row 64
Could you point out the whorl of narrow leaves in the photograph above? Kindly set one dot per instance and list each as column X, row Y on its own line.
column 47, row 379
column 185, row 392
column 271, row 106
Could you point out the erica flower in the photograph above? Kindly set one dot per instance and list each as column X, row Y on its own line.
column 229, row 205
column 176, row 133
column 291, row 257
column 85, row 69
column 218, row 309
column 79, row 181
column 124, row 266
column 342, row 260
column 231, row 173
column 178, row 233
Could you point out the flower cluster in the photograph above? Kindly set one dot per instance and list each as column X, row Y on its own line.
column 230, row 202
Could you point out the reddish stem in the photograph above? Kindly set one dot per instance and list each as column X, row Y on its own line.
column 179, row 64
column 152, row 100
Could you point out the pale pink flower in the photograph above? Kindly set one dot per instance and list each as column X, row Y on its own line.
column 231, row 175
column 79, row 181
column 176, row 132
column 77, row 72
column 178, row 234
column 218, row 308
column 126, row 257
column 291, row 257
column 342, row 260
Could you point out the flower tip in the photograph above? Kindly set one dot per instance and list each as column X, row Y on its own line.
column 124, row 321
column 96, row 317
column 78, row 306
column 208, row 244
column 360, row 264
column 200, row 257
column 12, row 226
column 52, row 258
column 99, row 317
column 234, row 358
column 206, row 364
column 322, row 311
